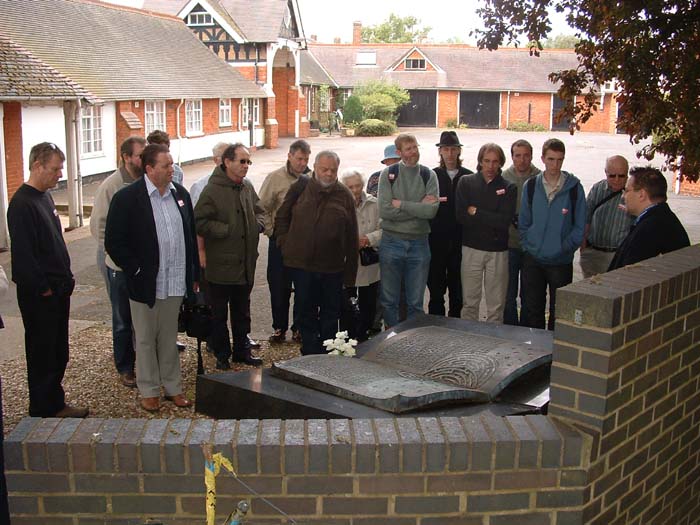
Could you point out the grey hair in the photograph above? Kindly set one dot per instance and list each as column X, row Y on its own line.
column 327, row 153
column 350, row 173
column 219, row 149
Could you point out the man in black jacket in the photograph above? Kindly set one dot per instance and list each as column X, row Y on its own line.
column 445, row 232
column 485, row 208
column 41, row 269
column 656, row 229
column 150, row 235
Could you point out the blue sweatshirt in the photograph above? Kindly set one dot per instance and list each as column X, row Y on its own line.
column 547, row 231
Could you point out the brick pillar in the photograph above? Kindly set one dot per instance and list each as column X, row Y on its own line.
column 356, row 33
column 626, row 367
column 12, row 130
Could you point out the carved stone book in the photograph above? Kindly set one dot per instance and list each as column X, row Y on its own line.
column 419, row 368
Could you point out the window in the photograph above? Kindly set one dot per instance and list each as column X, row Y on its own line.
column 199, row 19
column 342, row 96
column 155, row 115
column 366, row 58
column 193, row 116
column 91, row 140
column 224, row 112
column 245, row 116
column 415, row 63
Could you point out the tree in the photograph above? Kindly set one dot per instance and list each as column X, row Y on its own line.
column 649, row 49
column 561, row 42
column 381, row 100
column 396, row 29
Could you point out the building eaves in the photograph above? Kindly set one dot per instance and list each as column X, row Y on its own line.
column 312, row 72
column 120, row 53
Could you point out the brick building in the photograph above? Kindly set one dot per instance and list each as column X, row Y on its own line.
column 459, row 84
column 262, row 40
column 143, row 71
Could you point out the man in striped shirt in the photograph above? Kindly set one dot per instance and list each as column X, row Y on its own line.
column 607, row 222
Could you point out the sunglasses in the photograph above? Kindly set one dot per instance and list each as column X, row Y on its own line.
column 245, row 161
column 617, row 175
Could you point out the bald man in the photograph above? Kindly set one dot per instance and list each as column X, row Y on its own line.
column 607, row 222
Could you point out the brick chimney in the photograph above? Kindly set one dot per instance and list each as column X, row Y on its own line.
column 356, row 33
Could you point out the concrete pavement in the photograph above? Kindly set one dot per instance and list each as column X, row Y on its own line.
column 586, row 154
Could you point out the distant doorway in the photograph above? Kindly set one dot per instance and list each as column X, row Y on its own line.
column 479, row 109
column 420, row 111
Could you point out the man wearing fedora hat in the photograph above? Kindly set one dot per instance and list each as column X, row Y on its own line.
column 445, row 233
column 391, row 156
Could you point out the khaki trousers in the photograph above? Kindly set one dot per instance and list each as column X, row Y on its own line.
column 490, row 271
column 157, row 358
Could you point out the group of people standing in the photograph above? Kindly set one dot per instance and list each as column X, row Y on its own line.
column 507, row 234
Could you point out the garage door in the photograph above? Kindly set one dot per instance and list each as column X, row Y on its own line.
column 479, row 109
column 557, row 105
column 420, row 111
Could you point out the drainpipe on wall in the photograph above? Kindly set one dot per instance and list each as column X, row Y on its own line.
column 71, row 113
column 177, row 125
column 4, row 233
column 508, row 110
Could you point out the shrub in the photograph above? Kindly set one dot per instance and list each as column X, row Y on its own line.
column 381, row 100
column 374, row 128
column 352, row 112
column 524, row 126
column 451, row 123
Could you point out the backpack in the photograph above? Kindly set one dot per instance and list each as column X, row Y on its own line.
column 394, row 170
column 573, row 195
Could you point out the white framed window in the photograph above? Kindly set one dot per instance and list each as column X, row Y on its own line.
column 193, row 116
column 415, row 63
column 366, row 58
column 245, row 116
column 91, row 139
column 199, row 19
column 155, row 115
column 224, row 112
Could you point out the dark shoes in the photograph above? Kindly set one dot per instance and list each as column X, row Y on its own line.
column 127, row 379
column 69, row 411
column 151, row 404
column 277, row 337
column 296, row 336
column 247, row 359
column 251, row 343
column 222, row 364
column 180, row 346
column 179, row 401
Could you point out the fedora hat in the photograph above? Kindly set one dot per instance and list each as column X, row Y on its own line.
column 448, row 138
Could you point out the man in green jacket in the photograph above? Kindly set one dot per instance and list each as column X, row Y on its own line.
column 230, row 220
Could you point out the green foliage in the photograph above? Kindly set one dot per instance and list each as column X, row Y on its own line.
column 396, row 29
column 381, row 100
column 454, row 123
column 524, row 126
column 650, row 51
column 352, row 112
column 561, row 42
column 375, row 128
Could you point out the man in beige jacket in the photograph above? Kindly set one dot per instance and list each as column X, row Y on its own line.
column 122, row 340
column 272, row 194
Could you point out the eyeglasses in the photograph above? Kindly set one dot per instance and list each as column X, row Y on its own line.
column 617, row 175
column 245, row 161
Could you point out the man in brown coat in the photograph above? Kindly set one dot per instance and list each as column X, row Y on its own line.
column 316, row 229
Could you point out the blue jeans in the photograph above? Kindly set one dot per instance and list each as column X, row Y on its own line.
column 122, row 330
column 408, row 259
column 319, row 297
column 515, row 266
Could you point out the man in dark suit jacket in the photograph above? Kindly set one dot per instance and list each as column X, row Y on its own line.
column 150, row 235
column 656, row 230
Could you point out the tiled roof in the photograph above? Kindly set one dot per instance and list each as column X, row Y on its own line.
column 23, row 76
column 120, row 53
column 462, row 67
column 312, row 72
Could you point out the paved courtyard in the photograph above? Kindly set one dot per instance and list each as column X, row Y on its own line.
column 586, row 153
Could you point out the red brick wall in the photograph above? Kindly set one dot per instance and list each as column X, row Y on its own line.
column 540, row 105
column 12, row 128
column 248, row 72
column 286, row 99
column 123, row 130
column 690, row 188
column 602, row 121
column 448, row 107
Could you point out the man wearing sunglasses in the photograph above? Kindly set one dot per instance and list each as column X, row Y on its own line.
column 230, row 220
column 607, row 222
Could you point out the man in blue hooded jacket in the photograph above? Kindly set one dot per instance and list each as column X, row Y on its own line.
column 551, row 223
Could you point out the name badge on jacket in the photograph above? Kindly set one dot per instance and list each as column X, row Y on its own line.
column 443, row 199
column 501, row 192
column 180, row 203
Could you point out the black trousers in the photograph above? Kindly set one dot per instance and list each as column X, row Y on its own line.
column 233, row 299
column 279, row 281
column 536, row 279
column 46, row 347
column 367, row 302
column 445, row 275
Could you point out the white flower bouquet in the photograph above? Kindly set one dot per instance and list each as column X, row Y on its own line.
column 341, row 345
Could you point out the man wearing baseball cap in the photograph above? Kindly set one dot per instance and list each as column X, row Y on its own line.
column 445, row 233
column 391, row 156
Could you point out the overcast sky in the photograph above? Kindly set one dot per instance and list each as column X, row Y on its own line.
column 330, row 19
